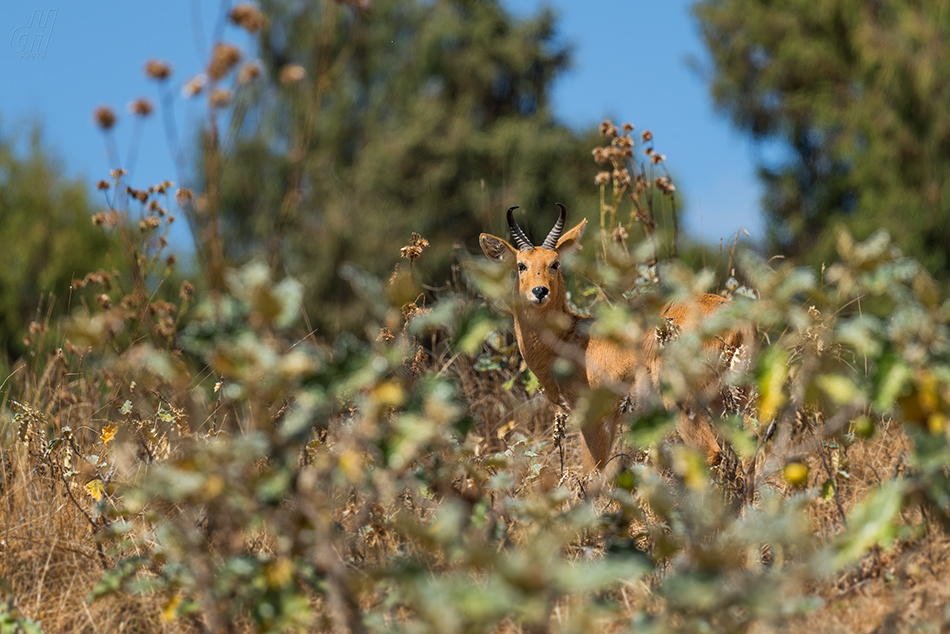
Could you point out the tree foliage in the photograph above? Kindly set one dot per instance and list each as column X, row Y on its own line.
column 47, row 237
column 371, row 124
column 854, row 92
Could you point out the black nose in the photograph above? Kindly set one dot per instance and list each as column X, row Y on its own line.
column 540, row 292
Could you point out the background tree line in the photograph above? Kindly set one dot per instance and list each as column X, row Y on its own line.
column 370, row 122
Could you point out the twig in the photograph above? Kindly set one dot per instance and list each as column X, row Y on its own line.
column 831, row 479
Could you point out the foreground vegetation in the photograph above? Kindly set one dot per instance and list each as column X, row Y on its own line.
column 206, row 465
column 194, row 456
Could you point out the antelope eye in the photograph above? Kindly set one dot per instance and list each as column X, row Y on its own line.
column 521, row 267
column 555, row 265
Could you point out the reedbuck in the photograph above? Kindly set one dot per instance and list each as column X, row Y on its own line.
column 547, row 331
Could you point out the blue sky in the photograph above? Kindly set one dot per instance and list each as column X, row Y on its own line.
column 630, row 64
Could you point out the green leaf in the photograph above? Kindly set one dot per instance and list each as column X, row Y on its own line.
column 874, row 521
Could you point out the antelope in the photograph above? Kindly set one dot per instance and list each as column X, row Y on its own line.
column 547, row 330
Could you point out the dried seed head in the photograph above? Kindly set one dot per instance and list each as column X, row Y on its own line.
column 117, row 173
column 105, row 117
column 104, row 300
column 292, row 73
column 608, row 129
column 183, row 195
column 621, row 177
column 248, row 17
column 601, row 155
column 419, row 241
column 171, row 260
column 138, row 194
column 157, row 69
column 417, row 244
column 646, row 136
column 619, row 235
column 664, row 185
column 627, row 128
column 105, row 218
column 657, row 158
column 224, row 57
column 141, row 107
column 103, row 185
column 602, row 178
column 410, row 252
column 187, row 291
column 149, row 223
column 219, row 97
column 194, row 86
column 248, row 73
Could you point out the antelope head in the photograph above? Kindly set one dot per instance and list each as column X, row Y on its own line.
column 540, row 283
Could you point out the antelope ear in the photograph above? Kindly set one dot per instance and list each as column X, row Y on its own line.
column 495, row 248
column 570, row 241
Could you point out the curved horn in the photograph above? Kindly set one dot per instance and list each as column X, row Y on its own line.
column 550, row 242
column 520, row 239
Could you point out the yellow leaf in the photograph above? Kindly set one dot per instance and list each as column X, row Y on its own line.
column 772, row 375
column 279, row 573
column 170, row 609
column 94, row 488
column 108, row 434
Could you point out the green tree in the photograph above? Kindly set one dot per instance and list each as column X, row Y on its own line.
column 855, row 94
column 47, row 236
column 368, row 125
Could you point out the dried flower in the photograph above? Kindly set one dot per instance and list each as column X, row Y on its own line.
column 224, row 57
column 601, row 155
column 627, row 128
column 194, row 86
column 621, row 177
column 412, row 251
column 103, row 185
column 646, row 136
column 104, row 300
column 657, row 158
column 141, row 107
column 602, row 178
column 187, row 291
column 248, row 17
column 248, row 73
column 664, row 185
column 105, row 117
column 219, row 97
column 138, row 194
column 118, row 173
column 105, row 218
column 608, row 129
column 157, row 69
column 620, row 235
column 292, row 73
column 149, row 223
column 183, row 195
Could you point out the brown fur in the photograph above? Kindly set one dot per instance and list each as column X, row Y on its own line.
column 548, row 330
